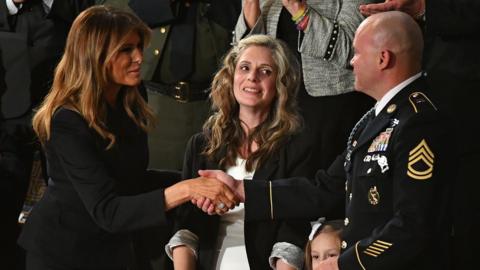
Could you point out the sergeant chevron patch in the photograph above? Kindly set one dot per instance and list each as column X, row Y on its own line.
column 420, row 162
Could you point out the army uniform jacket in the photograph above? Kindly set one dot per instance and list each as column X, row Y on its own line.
column 394, row 186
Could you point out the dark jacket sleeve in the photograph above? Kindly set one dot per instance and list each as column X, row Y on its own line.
column 296, row 197
column 298, row 163
column 73, row 142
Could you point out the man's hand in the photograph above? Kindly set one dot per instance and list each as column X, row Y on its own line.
column 234, row 185
column 206, row 204
column 414, row 8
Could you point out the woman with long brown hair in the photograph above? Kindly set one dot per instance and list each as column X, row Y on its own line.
column 93, row 127
column 251, row 135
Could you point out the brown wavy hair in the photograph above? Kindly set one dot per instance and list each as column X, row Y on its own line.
column 83, row 72
column 223, row 128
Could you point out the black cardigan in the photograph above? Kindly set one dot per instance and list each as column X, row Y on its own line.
column 292, row 159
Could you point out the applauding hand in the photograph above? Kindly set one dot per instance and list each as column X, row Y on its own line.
column 415, row 8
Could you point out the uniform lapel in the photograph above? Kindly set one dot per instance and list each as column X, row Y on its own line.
column 373, row 129
column 383, row 119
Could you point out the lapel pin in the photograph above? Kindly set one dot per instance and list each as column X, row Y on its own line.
column 391, row 108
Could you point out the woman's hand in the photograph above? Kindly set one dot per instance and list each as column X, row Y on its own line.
column 197, row 188
column 293, row 6
column 212, row 208
column 251, row 12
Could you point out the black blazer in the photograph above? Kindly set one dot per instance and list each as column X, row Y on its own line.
column 93, row 198
column 292, row 159
column 397, row 213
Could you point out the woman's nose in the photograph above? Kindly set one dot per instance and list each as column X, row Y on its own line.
column 252, row 75
column 137, row 56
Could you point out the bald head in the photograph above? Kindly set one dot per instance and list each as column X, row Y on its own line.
column 397, row 32
column 388, row 50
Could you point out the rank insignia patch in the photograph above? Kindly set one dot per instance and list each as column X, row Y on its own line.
column 377, row 248
column 420, row 162
column 380, row 143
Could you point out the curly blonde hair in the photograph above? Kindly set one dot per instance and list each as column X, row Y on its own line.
column 223, row 128
column 83, row 72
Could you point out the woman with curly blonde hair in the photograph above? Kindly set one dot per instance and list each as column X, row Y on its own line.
column 93, row 127
column 251, row 134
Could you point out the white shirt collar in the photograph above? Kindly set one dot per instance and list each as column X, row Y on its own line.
column 392, row 92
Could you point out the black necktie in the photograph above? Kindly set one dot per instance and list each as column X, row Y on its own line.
column 183, row 39
column 363, row 122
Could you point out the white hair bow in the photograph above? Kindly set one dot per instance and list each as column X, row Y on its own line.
column 315, row 226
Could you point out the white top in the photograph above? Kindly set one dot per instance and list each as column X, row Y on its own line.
column 231, row 251
column 390, row 94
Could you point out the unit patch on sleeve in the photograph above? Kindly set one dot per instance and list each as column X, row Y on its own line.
column 420, row 162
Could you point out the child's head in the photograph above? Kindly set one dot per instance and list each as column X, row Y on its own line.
column 324, row 242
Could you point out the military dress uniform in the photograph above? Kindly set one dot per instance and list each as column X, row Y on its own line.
column 393, row 178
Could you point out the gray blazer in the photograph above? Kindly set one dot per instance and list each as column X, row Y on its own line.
column 326, row 48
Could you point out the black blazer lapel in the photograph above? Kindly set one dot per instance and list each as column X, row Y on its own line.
column 268, row 169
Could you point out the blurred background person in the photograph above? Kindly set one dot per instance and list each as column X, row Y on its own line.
column 189, row 38
column 251, row 135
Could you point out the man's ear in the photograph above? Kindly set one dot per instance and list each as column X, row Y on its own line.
column 385, row 59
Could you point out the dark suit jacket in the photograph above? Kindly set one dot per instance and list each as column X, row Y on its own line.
column 397, row 214
column 44, row 36
column 93, row 198
column 260, row 236
column 452, row 38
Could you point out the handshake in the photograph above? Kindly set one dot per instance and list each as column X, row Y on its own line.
column 216, row 192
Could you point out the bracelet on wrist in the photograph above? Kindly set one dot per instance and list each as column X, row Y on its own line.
column 302, row 25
